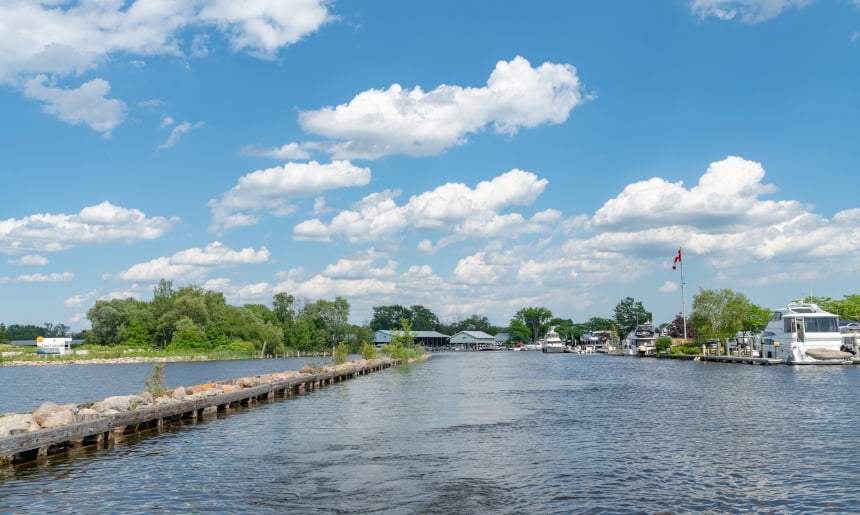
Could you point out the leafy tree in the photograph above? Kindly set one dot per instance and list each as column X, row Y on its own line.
column 565, row 328
column 676, row 329
column 719, row 314
column 519, row 331
column 137, row 335
column 283, row 306
column 755, row 318
column 598, row 324
column 423, row 319
column 534, row 318
column 629, row 313
column 389, row 317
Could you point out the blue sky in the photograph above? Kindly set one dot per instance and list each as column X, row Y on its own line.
column 473, row 157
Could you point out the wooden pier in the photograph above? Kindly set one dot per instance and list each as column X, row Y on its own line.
column 725, row 359
column 111, row 428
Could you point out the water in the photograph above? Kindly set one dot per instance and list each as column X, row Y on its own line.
column 490, row 432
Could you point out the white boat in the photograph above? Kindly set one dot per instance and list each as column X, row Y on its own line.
column 552, row 343
column 804, row 334
column 641, row 341
column 532, row 346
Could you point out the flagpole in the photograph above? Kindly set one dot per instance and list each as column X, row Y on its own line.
column 683, row 301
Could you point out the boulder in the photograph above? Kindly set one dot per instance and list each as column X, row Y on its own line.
column 17, row 423
column 59, row 418
column 45, row 411
column 179, row 393
column 118, row 403
column 87, row 414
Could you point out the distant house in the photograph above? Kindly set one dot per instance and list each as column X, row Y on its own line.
column 473, row 339
column 502, row 338
column 429, row 339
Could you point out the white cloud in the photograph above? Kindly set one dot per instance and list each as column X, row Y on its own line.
column 29, row 260
column 179, row 131
column 94, row 225
column 286, row 152
column 65, row 39
column 79, row 300
column 262, row 27
column 414, row 122
column 749, row 11
column 192, row 264
column 669, row 287
column 85, row 105
column 271, row 189
column 726, row 197
column 42, row 278
column 453, row 207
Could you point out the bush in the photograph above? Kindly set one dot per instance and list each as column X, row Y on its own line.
column 663, row 343
column 237, row 346
column 155, row 384
column 341, row 352
column 368, row 351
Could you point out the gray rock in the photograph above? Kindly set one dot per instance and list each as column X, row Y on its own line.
column 118, row 403
column 59, row 418
column 179, row 393
column 45, row 411
column 17, row 423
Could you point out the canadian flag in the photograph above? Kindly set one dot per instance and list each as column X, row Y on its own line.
column 677, row 260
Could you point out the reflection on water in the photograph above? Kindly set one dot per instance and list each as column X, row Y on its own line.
column 500, row 432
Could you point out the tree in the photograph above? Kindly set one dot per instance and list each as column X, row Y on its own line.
column 629, row 313
column 719, row 314
column 535, row 319
column 565, row 328
column 518, row 331
column 755, row 318
column 284, row 307
column 676, row 329
column 389, row 317
column 137, row 335
column 598, row 324
column 423, row 319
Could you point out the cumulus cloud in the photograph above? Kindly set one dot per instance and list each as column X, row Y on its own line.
column 453, row 207
column 179, row 131
column 414, row 122
column 80, row 299
column 85, row 105
column 726, row 196
column 65, row 39
column 40, row 278
column 286, row 152
column 194, row 263
column 94, row 225
column 749, row 11
column 271, row 190
column 29, row 260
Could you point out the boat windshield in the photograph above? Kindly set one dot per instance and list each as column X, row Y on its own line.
column 814, row 325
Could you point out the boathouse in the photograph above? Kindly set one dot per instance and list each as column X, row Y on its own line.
column 431, row 340
column 473, row 340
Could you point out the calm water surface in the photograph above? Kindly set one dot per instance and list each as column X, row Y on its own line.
column 489, row 432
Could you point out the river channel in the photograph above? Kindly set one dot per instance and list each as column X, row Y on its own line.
column 466, row 432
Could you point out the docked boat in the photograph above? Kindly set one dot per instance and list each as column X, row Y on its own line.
column 641, row 341
column 552, row 343
column 804, row 334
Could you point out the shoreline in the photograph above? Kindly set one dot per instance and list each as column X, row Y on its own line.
column 109, row 361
